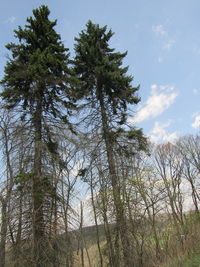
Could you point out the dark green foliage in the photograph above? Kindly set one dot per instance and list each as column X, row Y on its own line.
column 103, row 78
column 49, row 187
column 38, row 67
column 82, row 172
column 98, row 66
column 137, row 135
column 22, row 180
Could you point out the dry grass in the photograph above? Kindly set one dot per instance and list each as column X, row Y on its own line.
column 91, row 255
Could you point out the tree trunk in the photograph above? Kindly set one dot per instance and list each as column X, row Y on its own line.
column 38, row 217
column 56, row 262
column 3, row 233
column 82, row 245
column 120, row 216
column 96, row 223
column 17, row 246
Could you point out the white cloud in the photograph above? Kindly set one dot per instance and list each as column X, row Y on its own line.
column 168, row 45
column 161, row 98
column 159, row 29
column 167, row 88
column 159, row 133
column 196, row 123
column 154, row 86
column 10, row 20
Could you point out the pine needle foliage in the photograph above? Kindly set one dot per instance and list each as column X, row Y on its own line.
column 38, row 67
column 99, row 67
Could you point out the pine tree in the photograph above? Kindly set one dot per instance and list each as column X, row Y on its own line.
column 106, row 88
column 36, row 84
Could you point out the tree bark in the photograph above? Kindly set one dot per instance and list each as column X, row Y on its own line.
column 38, row 217
column 120, row 216
column 96, row 222
column 3, row 233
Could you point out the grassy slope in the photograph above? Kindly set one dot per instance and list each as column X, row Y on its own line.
column 192, row 260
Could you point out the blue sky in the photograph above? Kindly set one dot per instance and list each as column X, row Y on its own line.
column 163, row 43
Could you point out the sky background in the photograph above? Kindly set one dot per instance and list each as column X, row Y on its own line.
column 163, row 43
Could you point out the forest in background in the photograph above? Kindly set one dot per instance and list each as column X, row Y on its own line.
column 63, row 127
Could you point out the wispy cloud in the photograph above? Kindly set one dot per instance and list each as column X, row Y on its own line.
column 160, row 99
column 168, row 45
column 160, row 30
column 160, row 134
column 10, row 20
column 196, row 123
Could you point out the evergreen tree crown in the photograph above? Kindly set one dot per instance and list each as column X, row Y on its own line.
column 99, row 67
column 38, row 67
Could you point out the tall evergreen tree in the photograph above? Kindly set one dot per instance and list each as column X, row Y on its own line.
column 106, row 88
column 36, row 84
